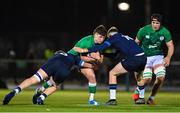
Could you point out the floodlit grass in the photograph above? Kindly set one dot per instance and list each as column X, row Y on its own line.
column 77, row 101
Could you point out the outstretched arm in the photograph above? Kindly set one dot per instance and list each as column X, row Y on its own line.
column 93, row 49
column 80, row 50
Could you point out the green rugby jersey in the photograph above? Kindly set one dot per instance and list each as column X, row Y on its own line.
column 152, row 41
column 85, row 42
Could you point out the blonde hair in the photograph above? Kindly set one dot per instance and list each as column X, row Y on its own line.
column 111, row 31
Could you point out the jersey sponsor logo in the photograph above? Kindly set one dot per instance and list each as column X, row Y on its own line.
column 147, row 36
column 161, row 38
column 153, row 46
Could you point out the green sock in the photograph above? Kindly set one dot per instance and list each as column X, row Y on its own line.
column 46, row 85
column 92, row 91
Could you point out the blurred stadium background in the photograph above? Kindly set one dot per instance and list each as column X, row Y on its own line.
column 30, row 31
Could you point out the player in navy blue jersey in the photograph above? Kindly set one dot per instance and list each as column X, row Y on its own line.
column 134, row 62
column 58, row 67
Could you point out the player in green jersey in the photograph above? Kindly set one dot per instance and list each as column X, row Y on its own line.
column 98, row 37
column 151, row 38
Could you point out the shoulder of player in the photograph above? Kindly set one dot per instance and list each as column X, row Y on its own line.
column 89, row 37
column 145, row 28
column 164, row 29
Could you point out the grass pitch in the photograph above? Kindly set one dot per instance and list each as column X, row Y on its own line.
column 77, row 101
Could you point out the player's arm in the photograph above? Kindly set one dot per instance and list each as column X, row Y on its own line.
column 137, row 41
column 95, row 56
column 101, row 47
column 101, row 59
column 170, row 52
column 87, row 59
column 85, row 64
column 139, row 36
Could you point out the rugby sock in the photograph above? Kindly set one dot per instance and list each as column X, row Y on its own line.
column 46, row 84
column 17, row 90
column 92, row 91
column 43, row 96
column 112, row 91
column 91, row 96
column 141, row 91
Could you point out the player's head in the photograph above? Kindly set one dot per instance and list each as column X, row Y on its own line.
column 156, row 20
column 113, row 30
column 99, row 34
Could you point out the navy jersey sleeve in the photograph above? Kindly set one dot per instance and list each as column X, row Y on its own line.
column 101, row 47
column 78, row 61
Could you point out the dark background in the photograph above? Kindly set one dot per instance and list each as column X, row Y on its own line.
column 63, row 22
column 29, row 27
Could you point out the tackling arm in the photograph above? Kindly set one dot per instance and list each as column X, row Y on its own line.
column 137, row 41
column 93, row 49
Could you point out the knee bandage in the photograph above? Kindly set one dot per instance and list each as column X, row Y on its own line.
column 160, row 71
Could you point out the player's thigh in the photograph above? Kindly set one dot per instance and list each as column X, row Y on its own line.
column 160, row 71
column 89, row 74
column 39, row 76
column 147, row 73
column 118, row 70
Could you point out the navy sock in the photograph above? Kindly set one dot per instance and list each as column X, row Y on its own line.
column 17, row 90
column 113, row 86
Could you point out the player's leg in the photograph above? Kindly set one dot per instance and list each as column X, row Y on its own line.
column 138, row 95
column 117, row 70
column 36, row 78
column 159, row 71
column 38, row 91
column 138, row 78
column 48, row 91
column 147, row 77
column 57, row 78
column 90, row 75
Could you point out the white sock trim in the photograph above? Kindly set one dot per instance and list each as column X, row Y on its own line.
column 112, row 94
column 92, row 84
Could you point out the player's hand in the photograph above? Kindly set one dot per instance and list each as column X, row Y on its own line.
column 80, row 50
column 95, row 55
column 166, row 61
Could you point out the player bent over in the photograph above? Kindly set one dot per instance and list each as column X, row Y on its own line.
column 88, row 72
column 58, row 67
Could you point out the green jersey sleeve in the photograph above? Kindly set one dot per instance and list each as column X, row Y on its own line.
column 85, row 42
column 167, row 35
column 140, row 34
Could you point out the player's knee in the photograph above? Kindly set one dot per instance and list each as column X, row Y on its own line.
column 112, row 73
column 160, row 79
column 141, row 83
column 147, row 80
column 91, row 79
column 51, row 82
